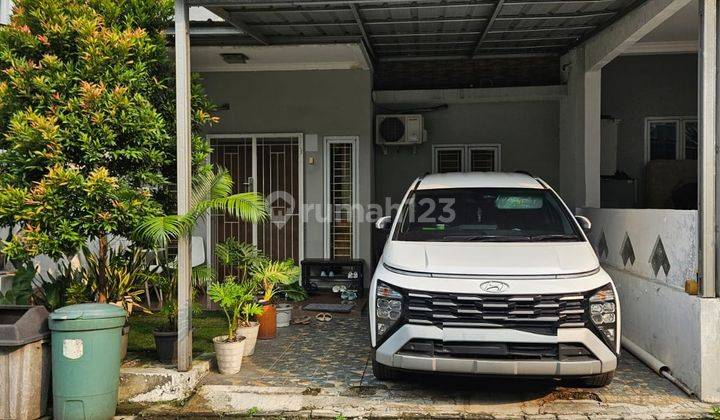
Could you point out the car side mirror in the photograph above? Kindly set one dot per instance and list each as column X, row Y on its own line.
column 384, row 223
column 584, row 223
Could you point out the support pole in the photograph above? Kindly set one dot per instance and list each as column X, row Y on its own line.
column 707, row 107
column 184, row 177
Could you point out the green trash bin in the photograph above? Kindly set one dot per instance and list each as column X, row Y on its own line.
column 86, row 360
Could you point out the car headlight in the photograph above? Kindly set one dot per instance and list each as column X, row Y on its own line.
column 603, row 314
column 388, row 308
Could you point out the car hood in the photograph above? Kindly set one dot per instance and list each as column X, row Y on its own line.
column 492, row 258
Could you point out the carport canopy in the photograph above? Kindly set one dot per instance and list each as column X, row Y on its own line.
column 457, row 29
column 420, row 29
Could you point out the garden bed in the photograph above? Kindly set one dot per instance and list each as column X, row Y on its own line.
column 207, row 325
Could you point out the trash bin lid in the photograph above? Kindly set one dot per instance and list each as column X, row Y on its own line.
column 88, row 311
column 21, row 324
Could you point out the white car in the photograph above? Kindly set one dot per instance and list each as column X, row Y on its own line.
column 491, row 274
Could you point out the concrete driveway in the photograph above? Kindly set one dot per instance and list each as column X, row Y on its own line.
column 322, row 370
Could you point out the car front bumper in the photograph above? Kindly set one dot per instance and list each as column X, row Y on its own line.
column 388, row 353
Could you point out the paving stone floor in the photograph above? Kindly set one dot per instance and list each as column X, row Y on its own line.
column 336, row 354
column 330, row 363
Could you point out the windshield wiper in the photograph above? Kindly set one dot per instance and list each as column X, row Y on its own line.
column 555, row 237
column 487, row 238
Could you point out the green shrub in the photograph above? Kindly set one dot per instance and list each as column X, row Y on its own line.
column 88, row 123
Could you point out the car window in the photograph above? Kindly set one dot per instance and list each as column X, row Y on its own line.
column 485, row 214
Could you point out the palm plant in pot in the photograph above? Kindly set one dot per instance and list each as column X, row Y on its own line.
column 211, row 191
column 236, row 301
column 272, row 275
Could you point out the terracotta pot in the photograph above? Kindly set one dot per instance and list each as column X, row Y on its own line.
column 268, row 322
column 251, row 334
column 229, row 355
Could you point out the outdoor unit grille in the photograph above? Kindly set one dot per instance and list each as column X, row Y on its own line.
column 341, row 200
column 399, row 130
column 539, row 313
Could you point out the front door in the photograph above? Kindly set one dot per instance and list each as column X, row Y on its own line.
column 269, row 164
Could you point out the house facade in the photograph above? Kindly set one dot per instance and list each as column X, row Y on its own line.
column 613, row 103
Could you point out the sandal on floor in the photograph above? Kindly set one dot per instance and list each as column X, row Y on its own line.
column 301, row 321
column 323, row 317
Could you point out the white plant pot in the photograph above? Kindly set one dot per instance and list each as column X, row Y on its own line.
column 284, row 314
column 229, row 354
column 250, row 333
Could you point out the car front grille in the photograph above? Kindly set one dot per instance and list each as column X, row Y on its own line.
column 542, row 314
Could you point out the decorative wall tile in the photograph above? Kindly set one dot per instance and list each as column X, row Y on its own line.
column 602, row 247
column 659, row 258
column 626, row 251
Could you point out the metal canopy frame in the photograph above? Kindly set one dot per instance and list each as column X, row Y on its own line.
column 403, row 29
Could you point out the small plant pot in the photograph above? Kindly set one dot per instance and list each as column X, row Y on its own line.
column 229, row 354
column 166, row 346
column 284, row 315
column 268, row 322
column 124, row 341
column 251, row 334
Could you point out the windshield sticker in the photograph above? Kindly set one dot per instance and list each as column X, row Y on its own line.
column 518, row 202
column 438, row 227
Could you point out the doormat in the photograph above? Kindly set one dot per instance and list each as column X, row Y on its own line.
column 330, row 307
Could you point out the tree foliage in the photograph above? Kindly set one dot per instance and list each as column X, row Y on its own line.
column 87, row 122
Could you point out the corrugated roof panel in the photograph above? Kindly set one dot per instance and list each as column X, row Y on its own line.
column 430, row 27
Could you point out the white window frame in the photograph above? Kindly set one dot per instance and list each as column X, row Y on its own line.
column 679, row 133
column 327, row 141
column 465, row 151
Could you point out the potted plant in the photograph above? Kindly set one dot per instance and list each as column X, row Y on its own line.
column 271, row 275
column 212, row 191
column 231, row 297
column 291, row 292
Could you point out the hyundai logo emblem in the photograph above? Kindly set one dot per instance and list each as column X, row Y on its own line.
column 493, row 286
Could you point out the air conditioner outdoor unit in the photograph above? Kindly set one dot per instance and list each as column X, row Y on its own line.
column 399, row 130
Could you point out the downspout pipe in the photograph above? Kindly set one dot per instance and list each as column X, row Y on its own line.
column 656, row 365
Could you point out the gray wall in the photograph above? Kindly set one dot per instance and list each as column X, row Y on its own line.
column 637, row 87
column 326, row 103
column 526, row 131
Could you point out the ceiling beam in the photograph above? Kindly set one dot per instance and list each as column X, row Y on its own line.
column 340, row 9
column 434, row 20
column 498, row 7
column 396, row 58
column 234, row 21
column 240, row 24
column 543, row 29
column 361, row 25
column 421, row 34
column 626, row 31
column 585, row 15
column 368, row 22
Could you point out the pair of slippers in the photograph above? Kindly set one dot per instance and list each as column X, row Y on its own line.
column 322, row 317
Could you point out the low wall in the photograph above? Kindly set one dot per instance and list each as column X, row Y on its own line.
column 650, row 254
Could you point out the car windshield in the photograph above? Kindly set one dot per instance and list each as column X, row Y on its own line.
column 485, row 215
